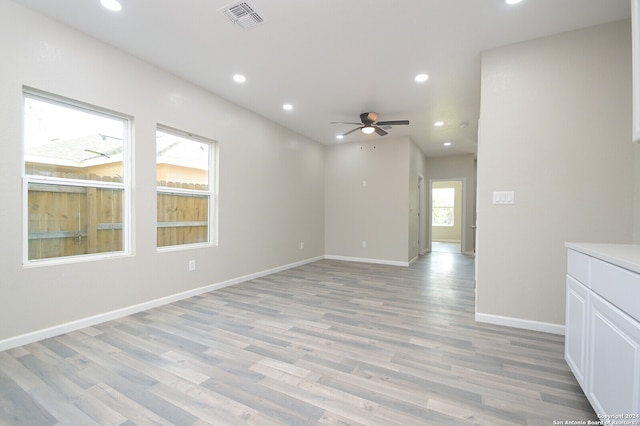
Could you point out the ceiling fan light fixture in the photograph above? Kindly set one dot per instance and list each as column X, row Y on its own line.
column 367, row 130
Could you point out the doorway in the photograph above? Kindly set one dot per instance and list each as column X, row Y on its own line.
column 447, row 216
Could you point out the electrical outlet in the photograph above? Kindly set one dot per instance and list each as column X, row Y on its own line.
column 364, row 244
column 192, row 265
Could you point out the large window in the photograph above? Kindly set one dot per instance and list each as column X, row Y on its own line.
column 185, row 176
column 75, row 179
column 442, row 203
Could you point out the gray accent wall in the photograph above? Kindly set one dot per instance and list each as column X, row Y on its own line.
column 555, row 128
column 367, row 200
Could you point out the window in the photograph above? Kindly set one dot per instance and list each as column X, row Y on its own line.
column 443, row 200
column 184, row 186
column 75, row 179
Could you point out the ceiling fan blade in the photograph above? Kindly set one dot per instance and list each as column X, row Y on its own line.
column 380, row 131
column 351, row 131
column 345, row 122
column 393, row 123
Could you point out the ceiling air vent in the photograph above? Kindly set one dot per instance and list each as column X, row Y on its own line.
column 242, row 15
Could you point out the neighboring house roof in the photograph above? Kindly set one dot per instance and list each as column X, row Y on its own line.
column 98, row 149
column 80, row 152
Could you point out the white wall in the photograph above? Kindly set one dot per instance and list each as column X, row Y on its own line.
column 271, row 181
column 458, row 167
column 555, row 127
column 377, row 213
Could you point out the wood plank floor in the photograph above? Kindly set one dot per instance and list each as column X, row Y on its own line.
column 327, row 343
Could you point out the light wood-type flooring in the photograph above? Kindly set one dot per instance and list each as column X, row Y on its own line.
column 329, row 342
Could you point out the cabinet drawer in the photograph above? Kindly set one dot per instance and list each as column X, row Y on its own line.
column 578, row 267
column 617, row 285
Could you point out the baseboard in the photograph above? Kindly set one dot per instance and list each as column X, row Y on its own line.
column 367, row 260
column 545, row 327
column 57, row 330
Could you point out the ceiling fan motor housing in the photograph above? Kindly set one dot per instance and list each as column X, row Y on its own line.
column 368, row 117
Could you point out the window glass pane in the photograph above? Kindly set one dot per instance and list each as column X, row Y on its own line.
column 66, row 220
column 70, row 142
column 181, row 160
column 443, row 197
column 182, row 219
column 443, row 200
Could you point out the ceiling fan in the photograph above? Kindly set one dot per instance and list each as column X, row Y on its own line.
column 369, row 124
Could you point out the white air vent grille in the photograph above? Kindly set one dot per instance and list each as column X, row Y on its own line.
column 242, row 15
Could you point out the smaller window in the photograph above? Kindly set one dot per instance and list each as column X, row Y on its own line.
column 184, row 188
column 443, row 200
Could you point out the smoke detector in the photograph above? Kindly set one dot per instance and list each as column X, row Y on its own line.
column 242, row 15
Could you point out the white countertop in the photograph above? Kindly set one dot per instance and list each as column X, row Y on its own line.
column 623, row 255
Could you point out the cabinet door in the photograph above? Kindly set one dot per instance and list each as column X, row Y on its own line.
column 614, row 359
column 575, row 347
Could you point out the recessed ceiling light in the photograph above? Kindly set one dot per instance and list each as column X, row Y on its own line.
column 287, row 107
column 512, row 1
column 113, row 5
column 340, row 137
column 421, row 78
column 438, row 123
column 447, row 144
column 239, row 78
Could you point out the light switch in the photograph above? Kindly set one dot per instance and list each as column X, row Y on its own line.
column 503, row 197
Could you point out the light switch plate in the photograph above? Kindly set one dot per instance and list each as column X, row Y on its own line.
column 503, row 197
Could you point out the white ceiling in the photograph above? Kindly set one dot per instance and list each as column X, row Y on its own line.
column 334, row 59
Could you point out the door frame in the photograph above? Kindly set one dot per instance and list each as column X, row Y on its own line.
column 421, row 236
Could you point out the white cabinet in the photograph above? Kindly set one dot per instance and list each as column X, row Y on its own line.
column 602, row 333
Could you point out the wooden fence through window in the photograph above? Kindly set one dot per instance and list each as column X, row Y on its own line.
column 182, row 218
column 65, row 220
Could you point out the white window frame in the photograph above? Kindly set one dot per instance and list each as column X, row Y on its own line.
column 211, row 192
column 124, row 186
